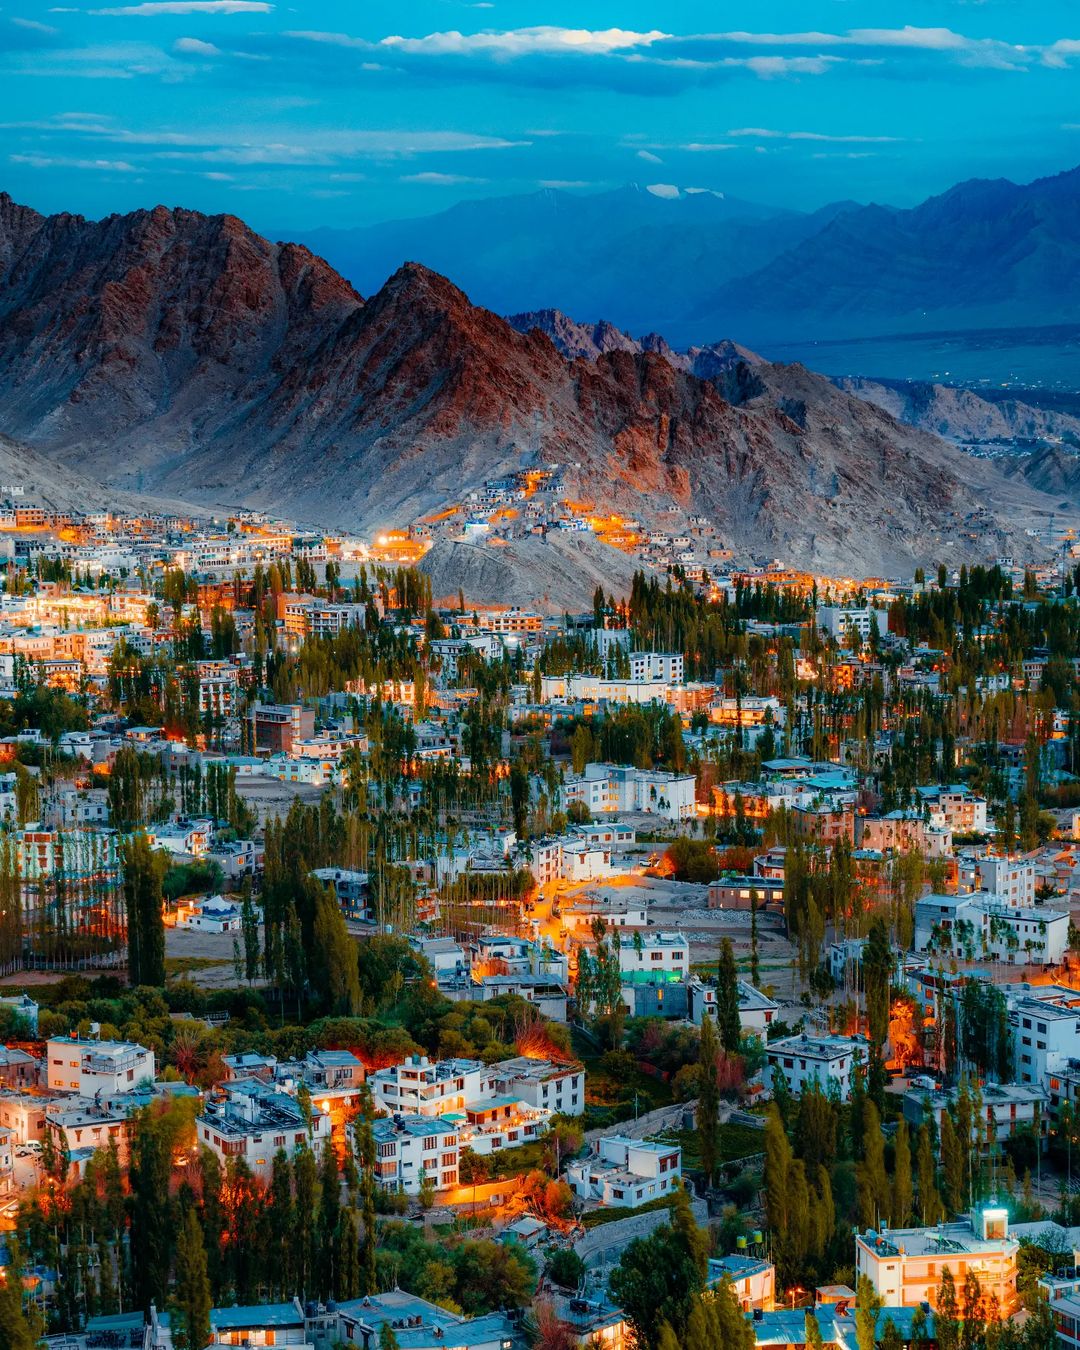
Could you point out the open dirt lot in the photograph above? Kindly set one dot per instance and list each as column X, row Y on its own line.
column 268, row 797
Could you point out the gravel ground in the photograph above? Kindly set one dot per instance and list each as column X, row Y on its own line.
column 268, row 797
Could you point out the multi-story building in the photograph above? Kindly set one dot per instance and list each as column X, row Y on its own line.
column 756, row 1010
column 93, row 1067
column 424, row 1087
column 275, row 726
column 80, row 1127
column 1007, row 1107
column 905, row 1265
column 653, row 954
column 827, row 1060
column 556, row 1088
column 956, row 808
column 840, row 622
column 218, row 685
column 1045, row 1033
column 254, row 1120
column 752, row 1280
column 1011, row 880
column 666, row 666
column 626, row 1172
column 409, row 1148
column 606, row 788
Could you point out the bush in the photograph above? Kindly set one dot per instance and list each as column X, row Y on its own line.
column 565, row 1268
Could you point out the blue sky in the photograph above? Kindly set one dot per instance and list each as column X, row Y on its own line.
column 342, row 112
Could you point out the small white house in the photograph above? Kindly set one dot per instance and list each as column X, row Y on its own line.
column 626, row 1172
column 826, row 1060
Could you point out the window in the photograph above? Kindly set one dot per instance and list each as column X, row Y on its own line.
column 431, row 1143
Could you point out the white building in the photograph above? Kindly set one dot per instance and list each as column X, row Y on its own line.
column 607, row 788
column 1006, row 1107
column 650, row 954
column 209, row 914
column 1011, row 879
column 410, row 1148
column 826, row 1060
column 839, row 621
column 981, row 925
column 558, row 1088
column 955, row 808
column 756, row 1010
column 493, row 1106
column 1044, row 1032
column 92, row 1067
column 905, row 1265
column 255, row 1120
column 626, row 1172
column 666, row 666
column 423, row 1087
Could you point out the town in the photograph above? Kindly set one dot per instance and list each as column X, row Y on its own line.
column 699, row 969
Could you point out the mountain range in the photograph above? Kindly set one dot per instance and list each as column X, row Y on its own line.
column 986, row 253
column 180, row 354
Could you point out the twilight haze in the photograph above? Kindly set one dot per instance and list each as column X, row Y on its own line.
column 339, row 114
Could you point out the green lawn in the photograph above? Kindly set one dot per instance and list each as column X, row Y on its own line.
column 615, row 1095
column 736, row 1141
column 184, row 965
column 595, row 1217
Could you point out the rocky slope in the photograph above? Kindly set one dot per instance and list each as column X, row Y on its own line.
column 962, row 415
column 592, row 340
column 184, row 354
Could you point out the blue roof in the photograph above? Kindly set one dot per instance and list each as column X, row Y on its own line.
column 256, row 1315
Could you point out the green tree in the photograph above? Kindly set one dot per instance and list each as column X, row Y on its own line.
column 193, row 1301
column 867, row 1307
column 727, row 1000
column 953, row 1164
column 142, row 871
column 877, row 974
column 708, row 1107
column 902, row 1185
column 812, row 1332
column 18, row 1331
column 929, row 1199
column 659, row 1277
column 875, row 1201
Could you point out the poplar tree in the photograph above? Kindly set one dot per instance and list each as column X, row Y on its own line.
column 727, row 1000
column 867, row 1307
column 193, row 1300
column 142, row 875
column 952, row 1164
column 872, row 1180
column 902, row 1188
column 708, row 1106
column 929, row 1199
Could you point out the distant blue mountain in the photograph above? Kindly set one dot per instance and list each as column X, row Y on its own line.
column 697, row 266
column 636, row 258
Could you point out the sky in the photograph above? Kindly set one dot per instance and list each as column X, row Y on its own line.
column 344, row 112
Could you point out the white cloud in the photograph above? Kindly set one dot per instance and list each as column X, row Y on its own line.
column 33, row 25
column 151, row 8
column 668, row 191
column 649, row 157
column 440, row 179
column 195, row 47
column 543, row 39
column 63, row 162
column 702, row 147
column 768, row 134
